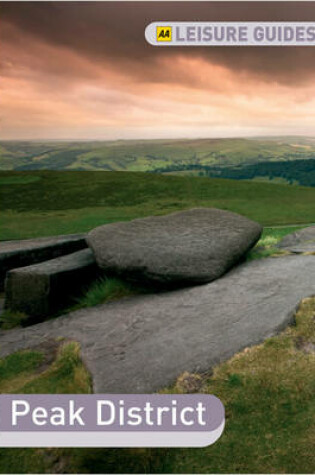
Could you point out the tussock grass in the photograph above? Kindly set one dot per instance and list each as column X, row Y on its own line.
column 21, row 373
column 266, row 246
column 105, row 290
column 10, row 319
column 66, row 375
column 16, row 366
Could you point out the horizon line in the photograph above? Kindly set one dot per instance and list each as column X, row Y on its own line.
column 155, row 139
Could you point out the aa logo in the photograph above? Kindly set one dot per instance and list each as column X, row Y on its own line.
column 164, row 33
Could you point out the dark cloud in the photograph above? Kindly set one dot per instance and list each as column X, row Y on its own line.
column 113, row 32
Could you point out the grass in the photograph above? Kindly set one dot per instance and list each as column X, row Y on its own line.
column 70, row 202
column 19, row 179
column 266, row 246
column 20, row 371
column 106, row 290
column 16, row 364
column 268, row 392
column 25, row 373
column 10, row 319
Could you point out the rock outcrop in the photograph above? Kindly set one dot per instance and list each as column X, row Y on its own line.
column 142, row 344
column 300, row 241
column 26, row 252
column 43, row 289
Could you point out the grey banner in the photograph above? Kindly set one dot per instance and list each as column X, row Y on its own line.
column 110, row 412
column 198, row 33
column 110, row 420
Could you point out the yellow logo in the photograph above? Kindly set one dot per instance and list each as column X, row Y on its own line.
column 164, row 33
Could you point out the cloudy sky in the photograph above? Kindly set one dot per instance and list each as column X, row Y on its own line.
column 82, row 70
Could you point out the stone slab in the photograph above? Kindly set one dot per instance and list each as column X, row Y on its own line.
column 42, row 289
column 300, row 241
column 14, row 254
column 144, row 343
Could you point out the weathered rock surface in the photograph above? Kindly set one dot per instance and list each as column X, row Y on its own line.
column 194, row 246
column 15, row 254
column 299, row 241
column 141, row 344
column 44, row 288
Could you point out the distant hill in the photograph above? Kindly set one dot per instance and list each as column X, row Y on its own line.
column 294, row 172
column 300, row 172
column 153, row 155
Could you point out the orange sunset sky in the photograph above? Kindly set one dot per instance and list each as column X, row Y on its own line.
column 83, row 70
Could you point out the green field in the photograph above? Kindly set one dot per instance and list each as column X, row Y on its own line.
column 150, row 155
column 46, row 203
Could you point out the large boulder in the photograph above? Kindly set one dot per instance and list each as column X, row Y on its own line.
column 188, row 247
column 299, row 241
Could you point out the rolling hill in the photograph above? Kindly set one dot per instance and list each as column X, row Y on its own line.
column 152, row 155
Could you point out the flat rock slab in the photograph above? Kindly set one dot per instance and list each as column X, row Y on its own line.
column 44, row 288
column 184, row 248
column 15, row 254
column 300, row 241
column 144, row 343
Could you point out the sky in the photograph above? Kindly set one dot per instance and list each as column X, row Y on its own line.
column 83, row 70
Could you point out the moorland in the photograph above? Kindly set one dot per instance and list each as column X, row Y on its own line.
column 43, row 203
column 59, row 188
